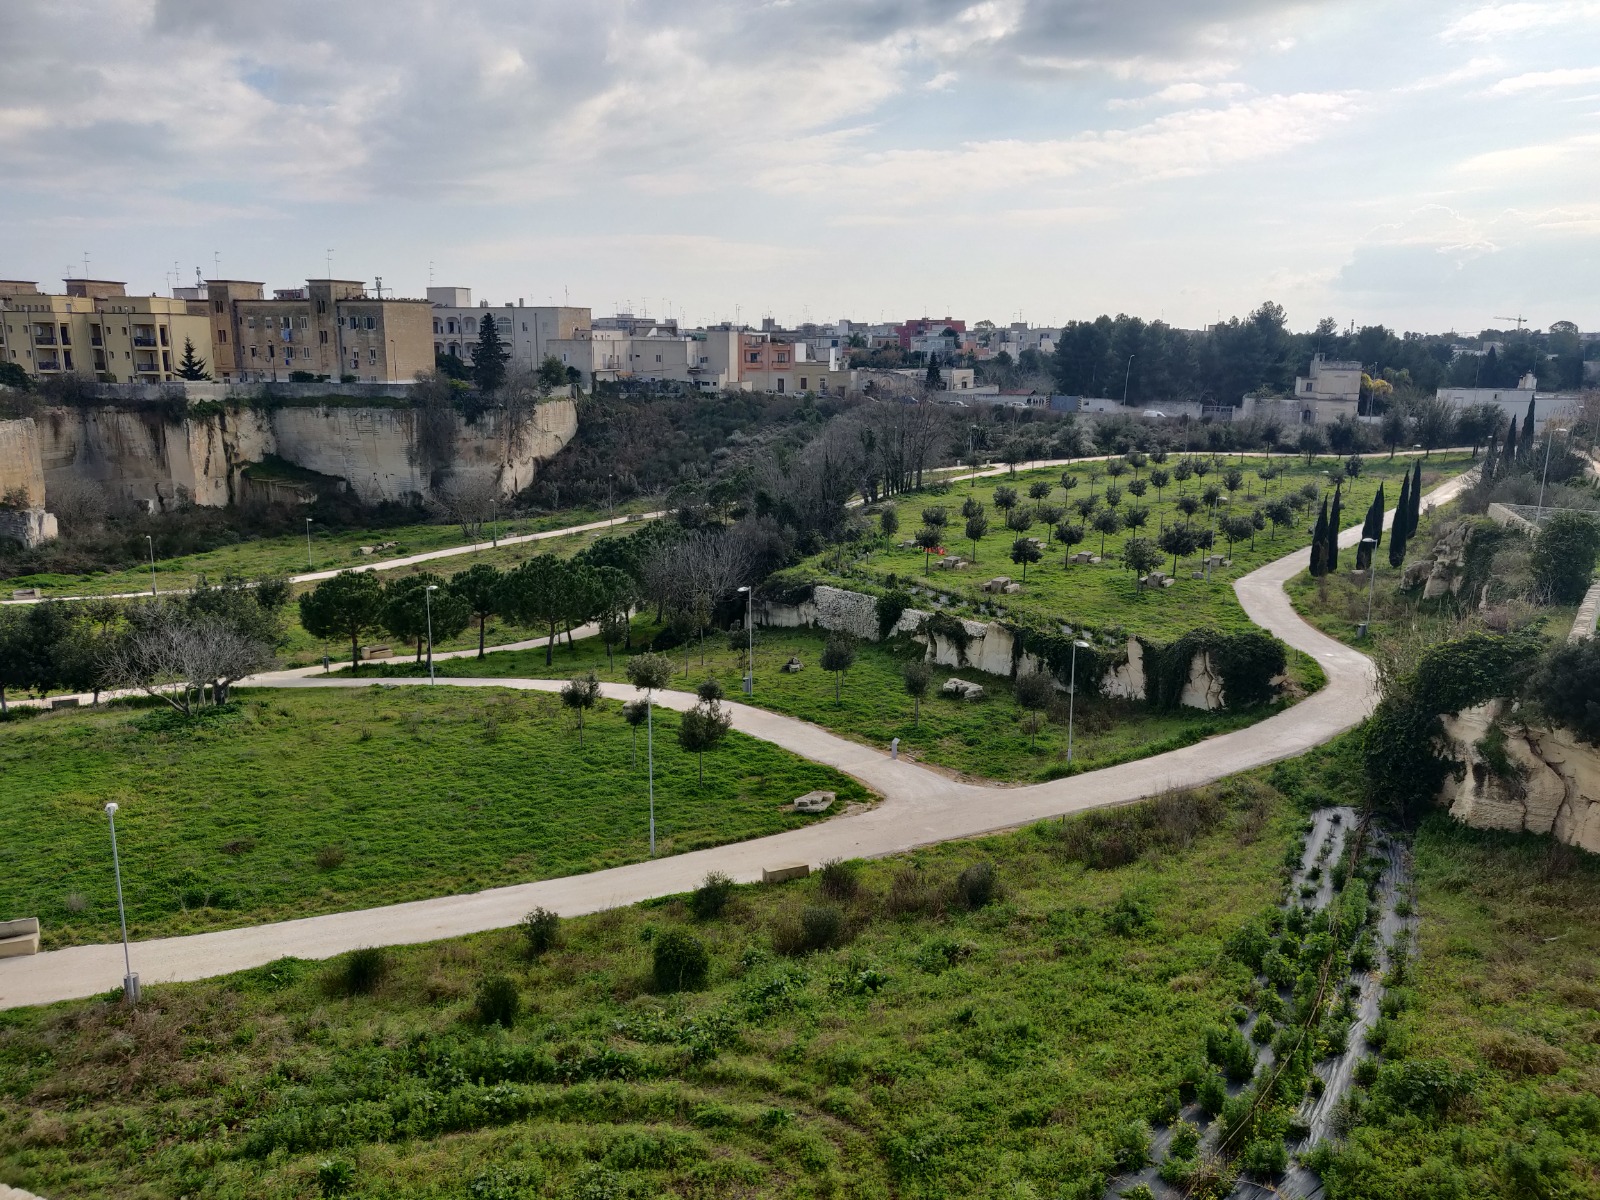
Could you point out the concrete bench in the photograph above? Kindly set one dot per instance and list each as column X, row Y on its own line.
column 785, row 873
column 19, row 938
column 64, row 702
column 27, row 594
column 371, row 652
column 815, row 802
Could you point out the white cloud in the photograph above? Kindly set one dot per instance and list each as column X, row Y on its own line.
column 1535, row 80
column 1189, row 92
column 1495, row 21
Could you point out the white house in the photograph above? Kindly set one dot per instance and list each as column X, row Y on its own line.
column 527, row 331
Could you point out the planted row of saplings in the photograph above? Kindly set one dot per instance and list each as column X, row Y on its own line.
column 1303, row 1008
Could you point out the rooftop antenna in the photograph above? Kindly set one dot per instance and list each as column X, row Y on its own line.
column 1521, row 321
column 216, row 263
column 86, row 266
column 377, row 285
column 328, row 261
column 430, row 272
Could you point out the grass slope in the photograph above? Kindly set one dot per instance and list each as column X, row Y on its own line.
column 938, row 1050
column 988, row 739
column 1104, row 596
column 302, row 802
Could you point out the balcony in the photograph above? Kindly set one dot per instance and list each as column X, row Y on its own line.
column 43, row 339
column 49, row 364
column 147, row 343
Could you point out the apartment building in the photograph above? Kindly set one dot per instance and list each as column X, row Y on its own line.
column 526, row 330
column 329, row 329
column 96, row 330
column 772, row 365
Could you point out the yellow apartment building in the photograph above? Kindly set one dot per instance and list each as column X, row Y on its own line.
column 98, row 331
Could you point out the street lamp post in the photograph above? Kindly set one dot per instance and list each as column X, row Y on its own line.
column 611, row 512
column 130, row 981
column 427, row 601
column 650, row 761
column 494, row 522
column 1372, row 582
column 1126, row 375
column 1549, row 437
column 149, row 541
column 750, row 641
column 1072, row 692
column 308, row 543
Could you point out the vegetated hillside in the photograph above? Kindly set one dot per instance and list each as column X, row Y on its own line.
column 643, row 441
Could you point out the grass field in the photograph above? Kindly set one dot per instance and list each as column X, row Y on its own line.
column 301, row 802
column 1499, row 1034
column 287, row 554
column 989, row 739
column 1104, row 596
column 934, row 1048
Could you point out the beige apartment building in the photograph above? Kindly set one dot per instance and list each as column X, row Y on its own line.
column 329, row 329
column 97, row 331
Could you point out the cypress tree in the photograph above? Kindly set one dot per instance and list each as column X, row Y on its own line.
column 1527, row 428
column 1333, row 531
column 1488, row 459
column 1374, row 517
column 1416, row 502
column 1398, row 531
column 1319, row 543
column 1511, row 444
column 1377, row 517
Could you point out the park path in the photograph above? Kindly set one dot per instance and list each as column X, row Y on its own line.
column 920, row 806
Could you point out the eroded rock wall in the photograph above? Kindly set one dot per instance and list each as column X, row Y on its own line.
column 22, row 492
column 1550, row 783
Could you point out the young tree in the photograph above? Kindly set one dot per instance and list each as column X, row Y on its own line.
column 1020, row 519
column 1039, row 489
column 971, row 507
column 1233, row 480
column 1106, row 523
column 977, row 526
column 838, row 656
column 191, row 366
column 479, row 587
column 580, row 695
column 1179, row 541
column 1280, row 514
column 1182, row 472
column 348, row 605
column 1353, row 465
column 1113, row 495
column 1005, row 498
column 705, row 725
column 1140, row 557
column 1311, row 442
column 1188, row 506
column 489, row 356
column 888, row 521
column 1399, row 529
column 1159, row 478
column 1235, row 527
column 636, row 713
column 1137, row 487
column 928, row 538
column 1084, row 506
column 917, row 677
column 535, row 596
column 1024, row 551
column 1068, row 481
column 1034, row 691
column 1135, row 516
column 1069, row 535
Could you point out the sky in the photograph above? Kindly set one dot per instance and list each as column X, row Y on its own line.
column 1428, row 166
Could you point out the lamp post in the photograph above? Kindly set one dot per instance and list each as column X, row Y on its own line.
column 308, row 543
column 427, row 601
column 1549, row 437
column 130, row 981
column 1125, row 376
column 611, row 512
column 650, row 761
column 494, row 522
column 1072, row 692
column 1372, row 582
column 750, row 641
column 149, row 541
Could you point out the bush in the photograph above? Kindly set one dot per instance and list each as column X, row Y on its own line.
column 821, row 927
column 912, row 893
column 498, row 1002
column 1568, row 688
column 1130, row 1146
column 1212, row 1094
column 361, row 971
column 838, row 879
column 977, row 886
column 330, row 857
column 335, row 1177
column 711, row 897
column 1185, row 1140
column 1265, row 1156
column 541, row 931
column 679, row 962
column 1228, row 1049
column 1564, row 555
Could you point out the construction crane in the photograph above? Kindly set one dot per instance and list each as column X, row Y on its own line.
column 1521, row 321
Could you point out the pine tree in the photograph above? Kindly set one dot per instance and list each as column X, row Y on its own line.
column 1319, row 544
column 1333, row 531
column 1416, row 502
column 1527, row 428
column 191, row 366
column 489, row 356
column 1398, row 531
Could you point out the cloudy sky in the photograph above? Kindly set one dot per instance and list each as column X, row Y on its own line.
column 1426, row 165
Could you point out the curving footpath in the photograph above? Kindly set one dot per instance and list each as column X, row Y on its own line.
column 920, row 806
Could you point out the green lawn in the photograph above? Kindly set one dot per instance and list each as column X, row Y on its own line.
column 987, row 739
column 287, row 555
column 1505, row 1007
column 415, row 792
column 1103, row 596
column 937, row 1050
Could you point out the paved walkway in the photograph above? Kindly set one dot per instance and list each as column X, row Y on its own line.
column 920, row 806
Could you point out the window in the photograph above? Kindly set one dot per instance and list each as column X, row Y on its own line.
column 322, row 336
column 250, row 322
column 755, row 357
column 803, row 383
column 371, row 323
column 341, row 323
column 322, row 306
column 222, row 337
column 372, row 358
column 658, row 358
column 252, row 352
column 216, row 306
column 783, row 358
column 302, row 322
column 306, row 353
column 524, row 327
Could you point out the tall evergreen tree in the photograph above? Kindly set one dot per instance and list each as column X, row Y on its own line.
column 1416, row 502
column 1319, row 544
column 1511, row 444
column 1489, row 463
column 1371, row 531
column 1527, row 428
column 489, row 356
column 191, row 365
column 1333, row 530
column 1400, row 528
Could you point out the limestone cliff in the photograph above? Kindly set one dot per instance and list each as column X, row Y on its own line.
column 145, row 454
column 1535, row 781
column 22, row 514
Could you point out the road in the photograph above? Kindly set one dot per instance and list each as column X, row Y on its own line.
column 920, row 807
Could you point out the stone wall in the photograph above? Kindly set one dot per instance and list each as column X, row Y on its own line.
column 142, row 455
column 22, row 478
column 1554, row 787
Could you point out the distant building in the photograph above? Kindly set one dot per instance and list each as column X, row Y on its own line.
column 96, row 330
column 527, row 330
column 923, row 327
column 1331, row 390
column 329, row 329
column 1513, row 402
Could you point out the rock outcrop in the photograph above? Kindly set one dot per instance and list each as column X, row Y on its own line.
column 1534, row 781
column 22, row 511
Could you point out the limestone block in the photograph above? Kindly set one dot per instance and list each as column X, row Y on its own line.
column 785, row 873
column 19, row 938
column 961, row 689
column 815, row 802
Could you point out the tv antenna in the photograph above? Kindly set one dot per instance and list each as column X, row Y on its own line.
column 1521, row 321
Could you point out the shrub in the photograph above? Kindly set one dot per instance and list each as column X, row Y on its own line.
column 361, row 971
column 912, row 893
column 335, row 1177
column 1564, row 555
column 1228, row 1049
column 1265, row 1156
column 838, row 879
column 1212, row 1094
column 712, row 896
column 330, row 857
column 679, row 962
column 1185, row 1140
column 541, row 931
column 498, row 1002
column 977, row 886
column 821, row 927
column 1130, row 1146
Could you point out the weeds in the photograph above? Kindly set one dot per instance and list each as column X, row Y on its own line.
column 541, row 931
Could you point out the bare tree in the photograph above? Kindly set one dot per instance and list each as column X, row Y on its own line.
column 79, row 504
column 180, row 659
column 469, row 499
